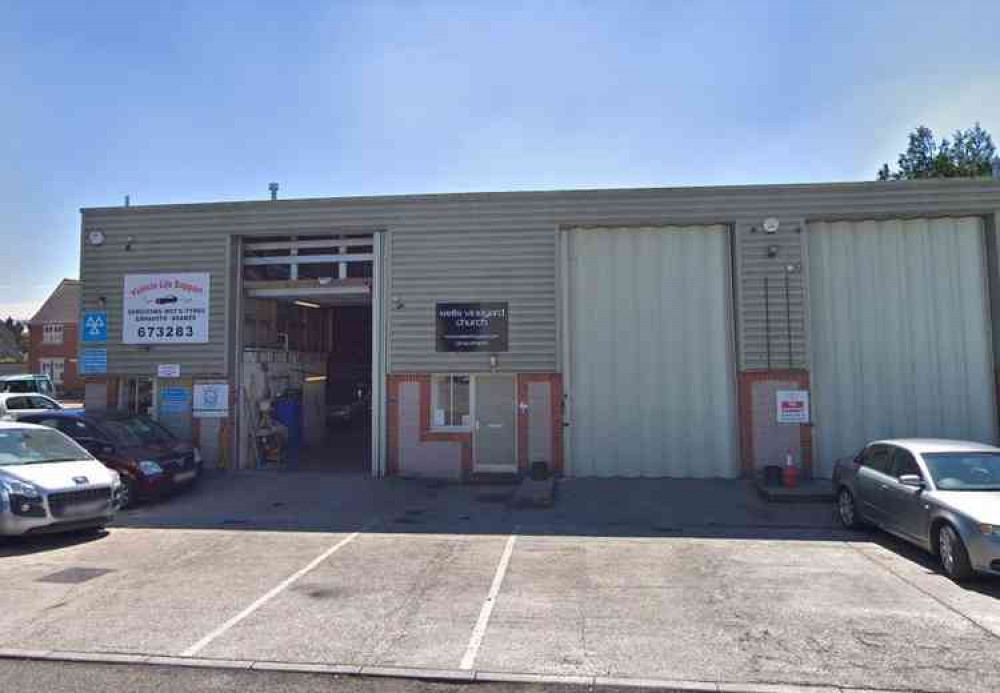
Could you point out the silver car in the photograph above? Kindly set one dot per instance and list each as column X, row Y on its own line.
column 48, row 483
column 942, row 495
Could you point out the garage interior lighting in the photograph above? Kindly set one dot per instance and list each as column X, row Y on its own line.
column 307, row 304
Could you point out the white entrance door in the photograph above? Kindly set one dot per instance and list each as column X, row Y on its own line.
column 900, row 333
column 650, row 353
column 495, row 432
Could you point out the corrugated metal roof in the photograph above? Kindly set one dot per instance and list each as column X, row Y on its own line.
column 674, row 194
column 62, row 306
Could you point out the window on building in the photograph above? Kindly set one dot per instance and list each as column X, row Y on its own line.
column 52, row 334
column 450, row 396
column 54, row 368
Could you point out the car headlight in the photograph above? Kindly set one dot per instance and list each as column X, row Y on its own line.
column 20, row 488
column 116, row 479
column 150, row 468
column 989, row 529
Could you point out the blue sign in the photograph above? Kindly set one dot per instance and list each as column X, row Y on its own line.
column 174, row 400
column 93, row 361
column 95, row 326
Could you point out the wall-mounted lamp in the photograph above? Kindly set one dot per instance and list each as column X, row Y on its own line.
column 102, row 302
column 307, row 304
column 128, row 243
column 494, row 362
column 772, row 251
column 397, row 303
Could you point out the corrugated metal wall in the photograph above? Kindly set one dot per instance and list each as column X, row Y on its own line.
column 771, row 288
column 900, row 333
column 511, row 264
column 159, row 244
column 651, row 384
column 511, row 234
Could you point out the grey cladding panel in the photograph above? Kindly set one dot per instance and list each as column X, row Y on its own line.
column 498, row 246
column 516, row 265
column 771, row 291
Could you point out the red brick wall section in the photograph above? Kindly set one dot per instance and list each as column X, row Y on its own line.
column 67, row 351
column 746, row 381
column 465, row 438
column 523, row 429
column 426, row 435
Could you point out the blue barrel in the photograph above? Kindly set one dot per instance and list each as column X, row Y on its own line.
column 288, row 411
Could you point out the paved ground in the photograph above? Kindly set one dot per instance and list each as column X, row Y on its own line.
column 53, row 677
column 666, row 580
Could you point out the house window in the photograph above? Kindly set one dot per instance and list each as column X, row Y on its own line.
column 450, row 401
column 52, row 334
column 54, row 368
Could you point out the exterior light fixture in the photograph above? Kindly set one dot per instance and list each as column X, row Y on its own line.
column 96, row 237
column 307, row 304
column 494, row 362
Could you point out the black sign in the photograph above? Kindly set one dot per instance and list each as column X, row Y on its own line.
column 471, row 326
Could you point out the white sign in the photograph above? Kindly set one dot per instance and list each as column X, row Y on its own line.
column 168, row 370
column 793, row 406
column 211, row 400
column 166, row 308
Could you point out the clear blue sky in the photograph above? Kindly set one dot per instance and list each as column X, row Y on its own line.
column 201, row 101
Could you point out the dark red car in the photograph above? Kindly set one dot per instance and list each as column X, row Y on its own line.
column 149, row 458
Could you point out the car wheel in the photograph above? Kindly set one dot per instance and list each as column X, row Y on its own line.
column 954, row 557
column 847, row 510
column 128, row 493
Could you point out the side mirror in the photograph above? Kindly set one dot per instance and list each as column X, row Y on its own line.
column 912, row 480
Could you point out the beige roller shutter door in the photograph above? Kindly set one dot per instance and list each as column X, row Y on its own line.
column 650, row 358
column 900, row 333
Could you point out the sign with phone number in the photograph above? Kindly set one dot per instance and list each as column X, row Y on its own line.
column 168, row 332
column 166, row 308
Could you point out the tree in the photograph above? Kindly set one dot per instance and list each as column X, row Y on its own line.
column 969, row 154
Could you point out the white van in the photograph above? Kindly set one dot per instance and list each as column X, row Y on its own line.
column 48, row 483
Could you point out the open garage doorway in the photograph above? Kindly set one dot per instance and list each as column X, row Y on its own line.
column 309, row 366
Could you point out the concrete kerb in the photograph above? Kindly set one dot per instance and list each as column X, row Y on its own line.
column 443, row 675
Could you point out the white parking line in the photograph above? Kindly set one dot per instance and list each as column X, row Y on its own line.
column 469, row 660
column 281, row 587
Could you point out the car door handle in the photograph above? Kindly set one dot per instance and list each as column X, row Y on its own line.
column 885, row 487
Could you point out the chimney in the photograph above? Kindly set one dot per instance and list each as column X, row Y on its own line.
column 273, row 187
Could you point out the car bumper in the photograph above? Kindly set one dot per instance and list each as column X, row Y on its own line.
column 12, row 524
column 154, row 486
column 984, row 553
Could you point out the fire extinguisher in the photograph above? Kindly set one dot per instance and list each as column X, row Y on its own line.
column 790, row 474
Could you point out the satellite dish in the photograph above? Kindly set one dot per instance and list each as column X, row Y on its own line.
column 771, row 225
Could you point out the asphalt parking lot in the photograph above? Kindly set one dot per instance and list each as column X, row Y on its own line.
column 679, row 581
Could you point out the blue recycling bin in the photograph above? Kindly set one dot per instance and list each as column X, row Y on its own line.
column 288, row 411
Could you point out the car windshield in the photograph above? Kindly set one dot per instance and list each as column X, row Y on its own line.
column 37, row 445
column 964, row 471
column 137, row 430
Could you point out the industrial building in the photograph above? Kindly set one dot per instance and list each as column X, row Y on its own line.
column 662, row 332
